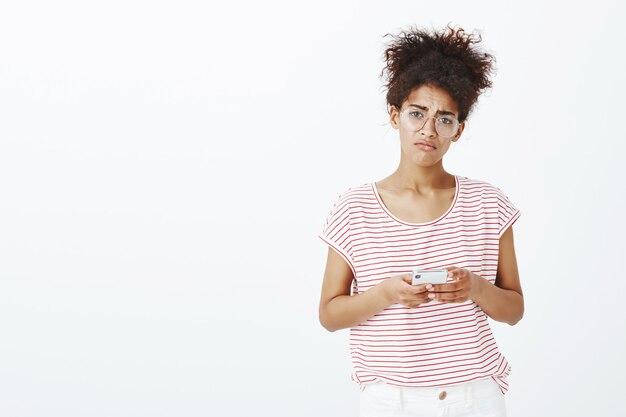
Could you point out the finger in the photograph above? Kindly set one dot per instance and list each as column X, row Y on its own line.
column 450, row 287
column 410, row 303
column 416, row 297
column 422, row 288
column 405, row 283
column 449, row 296
column 459, row 274
column 455, row 300
column 417, row 303
column 407, row 278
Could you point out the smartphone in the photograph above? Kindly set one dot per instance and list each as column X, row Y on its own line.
column 429, row 276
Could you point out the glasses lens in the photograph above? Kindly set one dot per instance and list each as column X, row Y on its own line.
column 415, row 119
column 446, row 126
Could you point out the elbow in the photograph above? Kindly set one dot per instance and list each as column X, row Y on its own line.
column 520, row 312
column 516, row 319
column 325, row 322
column 513, row 323
column 328, row 327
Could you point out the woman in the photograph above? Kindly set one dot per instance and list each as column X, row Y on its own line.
column 425, row 350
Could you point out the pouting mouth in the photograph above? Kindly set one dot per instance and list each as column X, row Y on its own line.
column 427, row 144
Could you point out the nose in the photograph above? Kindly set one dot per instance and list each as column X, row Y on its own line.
column 429, row 129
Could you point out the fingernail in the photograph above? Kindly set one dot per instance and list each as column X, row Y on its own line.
column 431, row 295
column 429, row 286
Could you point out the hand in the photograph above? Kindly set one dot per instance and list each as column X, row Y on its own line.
column 464, row 288
column 399, row 289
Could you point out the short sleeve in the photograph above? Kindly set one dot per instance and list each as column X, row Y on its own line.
column 508, row 213
column 336, row 231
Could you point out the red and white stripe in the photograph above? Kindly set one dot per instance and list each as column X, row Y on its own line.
column 434, row 344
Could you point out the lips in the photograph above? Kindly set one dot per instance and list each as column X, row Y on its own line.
column 421, row 143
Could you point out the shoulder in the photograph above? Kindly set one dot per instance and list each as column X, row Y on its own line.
column 485, row 188
column 354, row 193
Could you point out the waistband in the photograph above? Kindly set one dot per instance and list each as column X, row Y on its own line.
column 450, row 393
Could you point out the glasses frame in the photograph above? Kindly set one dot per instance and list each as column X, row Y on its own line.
column 404, row 114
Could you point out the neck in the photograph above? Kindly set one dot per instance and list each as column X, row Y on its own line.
column 422, row 179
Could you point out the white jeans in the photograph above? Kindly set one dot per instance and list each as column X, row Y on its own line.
column 481, row 397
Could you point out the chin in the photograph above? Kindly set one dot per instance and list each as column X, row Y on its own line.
column 425, row 160
column 421, row 162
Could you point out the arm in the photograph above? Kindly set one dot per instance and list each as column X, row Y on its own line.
column 338, row 309
column 503, row 301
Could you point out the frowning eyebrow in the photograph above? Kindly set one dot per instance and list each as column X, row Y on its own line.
column 438, row 111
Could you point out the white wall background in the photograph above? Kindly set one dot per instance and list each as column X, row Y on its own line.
column 165, row 168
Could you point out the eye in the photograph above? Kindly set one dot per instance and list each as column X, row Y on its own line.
column 445, row 121
column 417, row 114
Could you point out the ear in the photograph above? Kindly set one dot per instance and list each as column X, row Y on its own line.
column 394, row 115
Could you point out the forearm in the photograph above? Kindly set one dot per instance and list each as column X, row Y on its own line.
column 346, row 311
column 501, row 305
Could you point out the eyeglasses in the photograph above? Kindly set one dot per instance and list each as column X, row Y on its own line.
column 415, row 120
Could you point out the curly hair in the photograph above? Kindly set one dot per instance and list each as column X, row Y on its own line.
column 444, row 59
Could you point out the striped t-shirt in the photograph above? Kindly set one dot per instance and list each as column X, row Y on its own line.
column 434, row 344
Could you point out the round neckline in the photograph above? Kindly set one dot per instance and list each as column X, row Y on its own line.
column 390, row 214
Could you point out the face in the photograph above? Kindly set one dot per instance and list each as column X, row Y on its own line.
column 433, row 102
